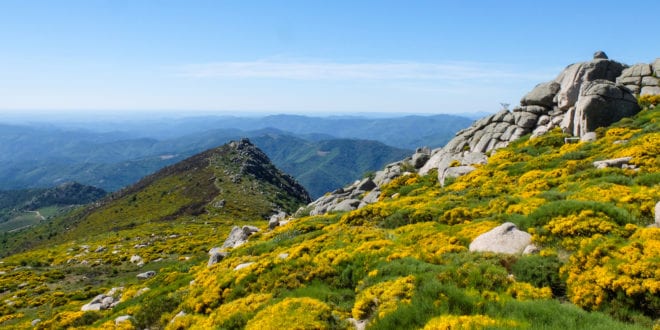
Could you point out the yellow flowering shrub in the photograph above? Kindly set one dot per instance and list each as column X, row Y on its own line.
column 467, row 322
column 293, row 313
column 383, row 298
column 526, row 291
column 572, row 229
column 242, row 308
column 604, row 271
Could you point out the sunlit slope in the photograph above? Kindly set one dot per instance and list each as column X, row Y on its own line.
column 400, row 263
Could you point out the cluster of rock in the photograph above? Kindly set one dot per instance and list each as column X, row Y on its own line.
column 367, row 191
column 641, row 78
column 104, row 301
column 583, row 97
column 237, row 237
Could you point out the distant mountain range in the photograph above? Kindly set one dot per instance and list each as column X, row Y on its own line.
column 322, row 153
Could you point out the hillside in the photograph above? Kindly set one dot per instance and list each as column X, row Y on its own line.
column 402, row 262
column 20, row 208
column 326, row 165
column 545, row 217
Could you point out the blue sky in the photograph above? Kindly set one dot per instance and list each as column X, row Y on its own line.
column 309, row 57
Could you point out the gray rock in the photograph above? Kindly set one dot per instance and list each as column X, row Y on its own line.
column 601, row 104
column 216, row 257
column 636, row 80
column 371, row 197
column 178, row 315
column 657, row 213
column 146, row 275
column 91, row 307
column 283, row 255
column 614, row 162
column 526, row 119
column 366, row 184
column 600, row 55
column 650, row 90
column 243, row 265
column 531, row 249
column 345, row 205
column 454, row 172
column 539, row 131
column 275, row 219
column 122, row 319
column 35, row 322
column 543, row 120
column 107, row 302
column 505, row 238
column 500, row 116
column 572, row 78
column 656, row 67
column 588, row 137
column 419, row 159
column 542, row 94
column 650, row 81
column 239, row 236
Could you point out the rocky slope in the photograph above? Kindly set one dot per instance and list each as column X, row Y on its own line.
column 583, row 97
column 235, row 180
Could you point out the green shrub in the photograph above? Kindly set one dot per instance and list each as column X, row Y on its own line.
column 540, row 272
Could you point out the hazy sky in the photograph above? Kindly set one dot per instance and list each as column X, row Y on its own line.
column 304, row 56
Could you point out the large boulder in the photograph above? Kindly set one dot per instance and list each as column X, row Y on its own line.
column 657, row 213
column 505, row 238
column 454, row 172
column 571, row 79
column 601, row 104
column 542, row 94
column 239, row 236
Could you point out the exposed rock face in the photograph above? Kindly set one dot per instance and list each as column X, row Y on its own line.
column 657, row 213
column 601, row 103
column 505, row 238
column 641, row 78
column 582, row 98
column 543, row 94
column 349, row 198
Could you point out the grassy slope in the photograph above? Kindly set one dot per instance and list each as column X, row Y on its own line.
column 402, row 262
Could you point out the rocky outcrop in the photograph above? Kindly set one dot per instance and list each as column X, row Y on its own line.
column 614, row 162
column 505, row 238
column 215, row 256
column 361, row 192
column 239, row 236
column 104, row 301
column 642, row 78
column 657, row 213
column 582, row 98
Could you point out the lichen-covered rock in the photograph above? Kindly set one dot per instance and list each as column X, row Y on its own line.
column 614, row 162
column 505, row 238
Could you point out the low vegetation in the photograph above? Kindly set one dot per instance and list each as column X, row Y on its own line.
column 400, row 263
